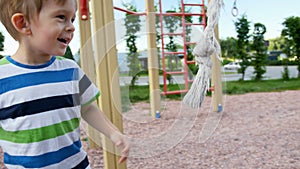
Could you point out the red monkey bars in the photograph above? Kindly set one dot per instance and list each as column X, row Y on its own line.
column 183, row 34
column 164, row 53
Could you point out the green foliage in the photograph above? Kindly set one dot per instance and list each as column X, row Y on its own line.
column 172, row 23
column 228, row 46
column 158, row 33
column 276, row 44
column 285, row 74
column 132, row 24
column 189, row 48
column 260, row 55
column 201, row 17
column 188, row 30
column 69, row 54
column 132, row 60
column 242, row 27
column 292, row 38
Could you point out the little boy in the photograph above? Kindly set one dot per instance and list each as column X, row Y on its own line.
column 42, row 97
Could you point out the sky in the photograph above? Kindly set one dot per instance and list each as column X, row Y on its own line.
column 271, row 13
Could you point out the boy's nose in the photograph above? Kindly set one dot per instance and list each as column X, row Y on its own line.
column 70, row 27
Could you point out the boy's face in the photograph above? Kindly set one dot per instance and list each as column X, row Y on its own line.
column 52, row 30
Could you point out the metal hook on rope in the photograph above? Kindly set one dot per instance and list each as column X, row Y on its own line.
column 234, row 10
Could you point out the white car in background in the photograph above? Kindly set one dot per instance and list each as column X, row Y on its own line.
column 232, row 66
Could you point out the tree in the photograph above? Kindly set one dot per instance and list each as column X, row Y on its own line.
column 189, row 48
column 260, row 56
column 291, row 35
column 229, row 49
column 172, row 23
column 132, row 24
column 242, row 27
column 69, row 54
column 1, row 43
column 158, row 34
column 288, row 51
column 276, row 44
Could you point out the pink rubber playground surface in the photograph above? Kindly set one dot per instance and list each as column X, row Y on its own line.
column 256, row 130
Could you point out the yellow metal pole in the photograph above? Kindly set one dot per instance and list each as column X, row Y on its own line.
column 153, row 67
column 216, row 79
column 107, row 73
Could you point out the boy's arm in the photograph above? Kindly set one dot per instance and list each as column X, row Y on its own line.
column 97, row 119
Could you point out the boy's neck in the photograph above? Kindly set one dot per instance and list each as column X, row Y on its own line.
column 27, row 58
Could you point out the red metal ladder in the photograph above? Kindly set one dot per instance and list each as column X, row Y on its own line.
column 185, row 43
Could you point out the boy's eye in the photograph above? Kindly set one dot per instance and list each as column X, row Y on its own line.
column 60, row 16
column 72, row 20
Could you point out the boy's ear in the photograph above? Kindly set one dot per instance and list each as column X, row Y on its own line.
column 20, row 23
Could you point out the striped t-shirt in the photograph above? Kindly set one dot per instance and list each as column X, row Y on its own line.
column 40, row 113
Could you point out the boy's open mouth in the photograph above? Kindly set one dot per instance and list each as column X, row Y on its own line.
column 62, row 40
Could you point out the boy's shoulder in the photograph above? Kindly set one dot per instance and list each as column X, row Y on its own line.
column 66, row 61
column 3, row 61
column 61, row 58
column 62, row 61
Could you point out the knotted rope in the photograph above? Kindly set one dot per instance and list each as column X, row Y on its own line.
column 205, row 47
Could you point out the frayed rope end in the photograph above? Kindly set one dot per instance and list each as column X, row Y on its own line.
column 198, row 90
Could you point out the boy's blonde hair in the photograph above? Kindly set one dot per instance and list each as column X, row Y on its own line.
column 29, row 8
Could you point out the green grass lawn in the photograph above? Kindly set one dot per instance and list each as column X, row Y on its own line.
column 241, row 87
column 141, row 93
